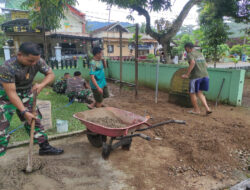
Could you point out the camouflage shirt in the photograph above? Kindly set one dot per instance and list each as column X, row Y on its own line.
column 11, row 71
column 75, row 84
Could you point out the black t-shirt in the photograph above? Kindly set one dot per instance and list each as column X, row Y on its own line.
column 11, row 71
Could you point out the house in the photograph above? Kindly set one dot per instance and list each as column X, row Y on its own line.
column 110, row 36
column 71, row 35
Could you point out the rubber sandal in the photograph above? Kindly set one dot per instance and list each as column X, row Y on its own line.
column 209, row 112
column 193, row 112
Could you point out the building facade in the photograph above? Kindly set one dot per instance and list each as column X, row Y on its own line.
column 110, row 36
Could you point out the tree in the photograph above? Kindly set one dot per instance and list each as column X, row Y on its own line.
column 144, row 6
column 3, row 38
column 143, row 28
column 187, row 29
column 47, row 14
column 215, row 31
column 185, row 38
column 132, row 40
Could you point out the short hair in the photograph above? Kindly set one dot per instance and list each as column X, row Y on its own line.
column 189, row 45
column 77, row 73
column 66, row 74
column 28, row 48
column 97, row 50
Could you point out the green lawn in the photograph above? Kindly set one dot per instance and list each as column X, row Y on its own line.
column 59, row 111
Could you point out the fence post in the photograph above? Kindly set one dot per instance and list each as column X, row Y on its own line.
column 58, row 52
column 6, row 52
column 120, row 60
column 136, row 59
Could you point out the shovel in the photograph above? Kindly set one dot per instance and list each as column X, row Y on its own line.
column 32, row 129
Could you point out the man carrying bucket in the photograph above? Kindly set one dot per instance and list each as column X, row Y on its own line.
column 16, row 94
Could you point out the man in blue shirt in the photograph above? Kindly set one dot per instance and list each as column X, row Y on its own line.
column 98, row 82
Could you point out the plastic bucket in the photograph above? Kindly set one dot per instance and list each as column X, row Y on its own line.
column 61, row 126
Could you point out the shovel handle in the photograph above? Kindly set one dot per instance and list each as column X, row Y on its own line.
column 32, row 129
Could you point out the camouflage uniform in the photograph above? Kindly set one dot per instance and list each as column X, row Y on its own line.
column 13, row 72
column 76, row 89
column 60, row 86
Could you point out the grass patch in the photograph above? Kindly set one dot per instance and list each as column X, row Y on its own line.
column 59, row 111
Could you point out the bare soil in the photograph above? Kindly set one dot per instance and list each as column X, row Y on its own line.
column 209, row 152
column 109, row 122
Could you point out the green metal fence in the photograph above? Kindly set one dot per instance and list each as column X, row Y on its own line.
column 231, row 93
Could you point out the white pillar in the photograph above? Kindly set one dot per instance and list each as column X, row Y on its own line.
column 176, row 60
column 58, row 53
column 6, row 52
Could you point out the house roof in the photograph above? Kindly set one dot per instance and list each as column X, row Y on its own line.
column 110, row 27
column 14, row 4
column 75, row 11
column 71, row 36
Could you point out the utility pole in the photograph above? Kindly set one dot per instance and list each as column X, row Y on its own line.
column 136, row 58
column 120, row 60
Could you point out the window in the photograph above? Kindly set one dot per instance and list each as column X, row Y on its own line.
column 110, row 48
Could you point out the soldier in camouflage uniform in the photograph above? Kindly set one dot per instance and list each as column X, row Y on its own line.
column 78, row 88
column 16, row 77
column 60, row 86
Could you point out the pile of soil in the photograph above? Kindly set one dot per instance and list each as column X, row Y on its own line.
column 209, row 152
column 213, row 150
column 108, row 122
column 80, row 167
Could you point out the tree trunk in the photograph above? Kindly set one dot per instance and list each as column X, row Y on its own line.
column 45, row 45
column 44, row 35
column 215, row 56
column 167, row 52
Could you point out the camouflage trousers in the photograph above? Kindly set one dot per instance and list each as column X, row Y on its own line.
column 82, row 95
column 60, row 86
column 7, row 110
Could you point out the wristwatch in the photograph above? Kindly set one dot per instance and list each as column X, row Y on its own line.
column 23, row 112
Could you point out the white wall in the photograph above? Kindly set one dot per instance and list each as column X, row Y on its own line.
column 71, row 23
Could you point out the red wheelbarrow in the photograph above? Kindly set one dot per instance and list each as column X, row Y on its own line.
column 97, row 134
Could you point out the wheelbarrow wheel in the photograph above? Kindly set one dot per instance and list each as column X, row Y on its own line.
column 106, row 149
column 96, row 140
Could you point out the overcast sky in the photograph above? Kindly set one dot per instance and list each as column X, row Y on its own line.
column 96, row 10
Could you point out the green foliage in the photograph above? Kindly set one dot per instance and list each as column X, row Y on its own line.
column 153, row 5
column 240, row 49
column 236, row 49
column 235, row 60
column 187, row 29
column 246, row 49
column 3, row 37
column 184, row 39
column 151, row 56
column 47, row 13
column 223, row 50
column 132, row 40
column 143, row 28
column 214, row 31
column 237, row 9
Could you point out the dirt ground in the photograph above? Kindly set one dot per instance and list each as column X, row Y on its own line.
column 209, row 152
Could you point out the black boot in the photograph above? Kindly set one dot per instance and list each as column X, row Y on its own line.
column 46, row 149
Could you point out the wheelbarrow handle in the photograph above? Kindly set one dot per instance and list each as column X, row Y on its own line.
column 134, row 135
column 162, row 123
column 148, row 138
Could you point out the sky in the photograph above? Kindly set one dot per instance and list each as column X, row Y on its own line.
column 96, row 10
